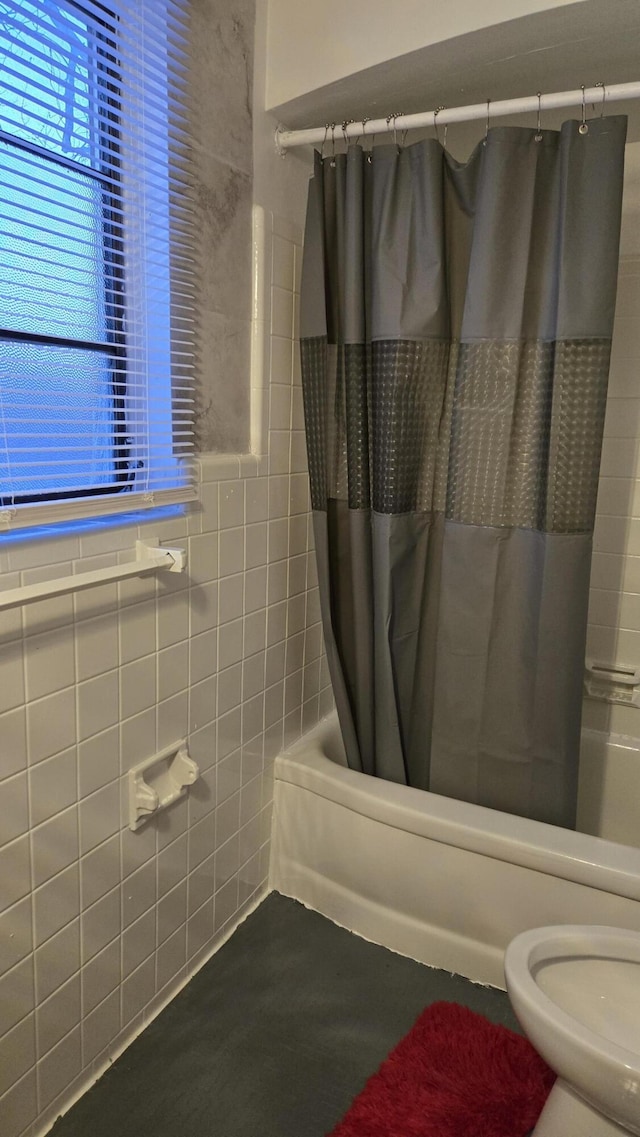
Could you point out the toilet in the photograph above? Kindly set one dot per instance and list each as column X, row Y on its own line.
column 576, row 992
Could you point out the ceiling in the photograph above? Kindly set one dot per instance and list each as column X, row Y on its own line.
column 583, row 43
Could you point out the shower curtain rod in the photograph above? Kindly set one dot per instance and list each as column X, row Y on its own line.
column 601, row 95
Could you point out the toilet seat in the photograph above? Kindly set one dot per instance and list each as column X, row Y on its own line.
column 531, row 950
column 605, row 1073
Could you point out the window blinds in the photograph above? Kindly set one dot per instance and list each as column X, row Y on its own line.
column 96, row 255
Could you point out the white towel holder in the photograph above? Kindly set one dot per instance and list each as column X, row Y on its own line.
column 150, row 558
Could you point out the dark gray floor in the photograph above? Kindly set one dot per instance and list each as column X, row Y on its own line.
column 273, row 1037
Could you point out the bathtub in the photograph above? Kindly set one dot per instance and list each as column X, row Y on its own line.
column 441, row 881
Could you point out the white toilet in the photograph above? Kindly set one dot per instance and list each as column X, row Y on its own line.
column 576, row 991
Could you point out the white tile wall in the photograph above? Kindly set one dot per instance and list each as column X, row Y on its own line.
column 614, row 610
column 99, row 926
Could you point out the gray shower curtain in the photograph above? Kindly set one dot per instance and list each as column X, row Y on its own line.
column 456, row 324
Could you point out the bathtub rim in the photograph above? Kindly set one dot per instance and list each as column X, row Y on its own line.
column 577, row 857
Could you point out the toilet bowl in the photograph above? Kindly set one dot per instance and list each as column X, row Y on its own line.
column 576, row 992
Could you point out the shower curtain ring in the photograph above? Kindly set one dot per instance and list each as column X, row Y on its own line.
column 583, row 128
column 345, row 124
column 333, row 144
column 538, row 135
column 486, row 132
column 435, row 121
column 324, row 141
column 604, row 96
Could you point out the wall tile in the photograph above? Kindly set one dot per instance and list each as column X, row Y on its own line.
column 203, row 653
column 97, row 645
column 12, row 690
column 201, row 841
column 230, row 598
column 137, row 686
column 138, row 847
column 57, row 1069
column 100, row 871
column 101, row 923
column 57, row 960
column 138, row 990
column 51, row 725
column 228, row 778
column 17, row 1053
column 225, row 904
column 137, row 631
column 138, row 893
column 200, row 885
column 203, row 558
column 230, row 644
column 173, row 619
column 14, row 809
column 172, row 955
column 50, row 663
column 172, row 822
column 199, row 929
column 16, row 934
column 98, row 705
column 229, row 688
column 15, row 871
column 18, row 1107
column 172, row 720
column 202, row 746
column 100, row 976
column 172, row 911
column 14, row 742
column 172, row 865
column 173, row 670
column 98, row 761
column 99, row 816
column 54, row 845
column 255, row 632
column 56, row 903
column 53, row 785
column 138, row 942
column 58, row 1015
column 16, row 993
column 100, row 1027
column 138, row 739
column 257, row 500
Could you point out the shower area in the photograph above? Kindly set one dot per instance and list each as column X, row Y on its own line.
column 456, row 323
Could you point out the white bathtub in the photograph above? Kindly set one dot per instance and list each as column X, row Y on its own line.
column 442, row 881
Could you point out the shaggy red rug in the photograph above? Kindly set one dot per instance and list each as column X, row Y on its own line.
column 454, row 1074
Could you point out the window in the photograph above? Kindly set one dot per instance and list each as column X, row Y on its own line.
column 95, row 304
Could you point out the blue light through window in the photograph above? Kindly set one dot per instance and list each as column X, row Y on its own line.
column 62, row 358
column 47, row 78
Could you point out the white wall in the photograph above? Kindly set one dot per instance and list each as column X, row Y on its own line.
column 313, row 44
column 279, row 182
column 614, row 614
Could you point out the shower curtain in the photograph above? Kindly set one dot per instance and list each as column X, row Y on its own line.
column 456, row 323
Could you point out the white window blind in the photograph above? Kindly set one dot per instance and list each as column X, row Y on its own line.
column 96, row 255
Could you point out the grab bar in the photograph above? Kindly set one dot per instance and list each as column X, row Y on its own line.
column 149, row 558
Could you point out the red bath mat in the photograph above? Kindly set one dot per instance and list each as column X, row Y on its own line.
column 454, row 1074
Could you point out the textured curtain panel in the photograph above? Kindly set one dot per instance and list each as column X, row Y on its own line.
column 456, row 326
